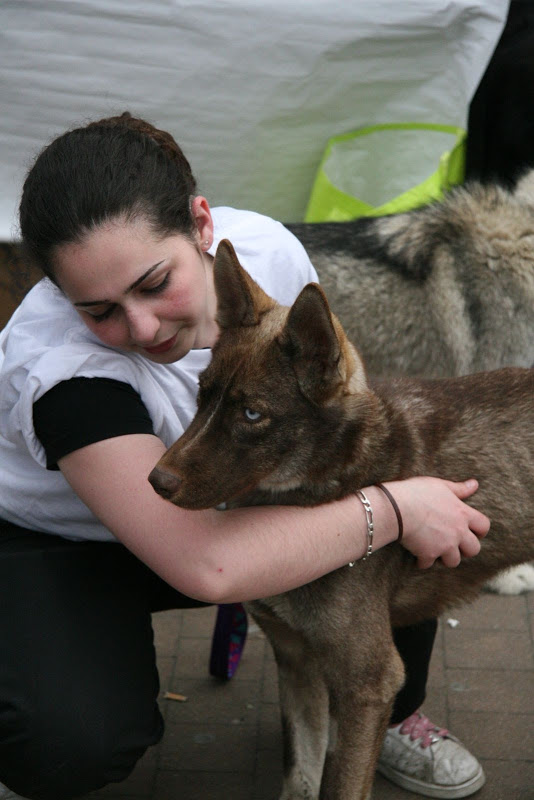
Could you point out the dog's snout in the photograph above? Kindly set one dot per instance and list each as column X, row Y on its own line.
column 164, row 483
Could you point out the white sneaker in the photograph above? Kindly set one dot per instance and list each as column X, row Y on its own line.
column 428, row 760
column 7, row 794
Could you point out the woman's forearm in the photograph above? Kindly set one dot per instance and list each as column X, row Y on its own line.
column 217, row 556
column 249, row 553
column 266, row 550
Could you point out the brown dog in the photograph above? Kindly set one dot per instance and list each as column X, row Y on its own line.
column 287, row 415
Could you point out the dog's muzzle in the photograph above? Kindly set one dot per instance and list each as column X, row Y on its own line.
column 164, row 483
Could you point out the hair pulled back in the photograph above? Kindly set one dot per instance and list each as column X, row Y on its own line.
column 117, row 167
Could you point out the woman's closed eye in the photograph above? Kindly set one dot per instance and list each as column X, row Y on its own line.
column 159, row 287
column 105, row 314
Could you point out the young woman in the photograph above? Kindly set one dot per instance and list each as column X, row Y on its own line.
column 98, row 375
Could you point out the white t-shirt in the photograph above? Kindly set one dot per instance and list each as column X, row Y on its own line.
column 46, row 342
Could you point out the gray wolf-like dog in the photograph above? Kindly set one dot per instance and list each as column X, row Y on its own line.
column 287, row 414
column 443, row 291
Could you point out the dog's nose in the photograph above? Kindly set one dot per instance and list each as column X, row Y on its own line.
column 164, row 483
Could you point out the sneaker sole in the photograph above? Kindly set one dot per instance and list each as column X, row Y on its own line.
column 433, row 789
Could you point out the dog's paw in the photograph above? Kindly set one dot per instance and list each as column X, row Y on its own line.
column 303, row 791
column 513, row 581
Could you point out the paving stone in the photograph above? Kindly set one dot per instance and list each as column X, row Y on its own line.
column 209, row 747
column 188, row 785
column 230, row 703
column 489, row 690
column 193, row 654
column 167, row 627
column 494, row 612
column 166, row 667
column 507, row 780
column 270, row 683
column 270, row 728
column 488, row 649
column 268, row 775
column 199, row 621
column 499, row 736
column 385, row 790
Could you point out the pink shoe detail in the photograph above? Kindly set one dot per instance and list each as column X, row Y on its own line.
column 420, row 727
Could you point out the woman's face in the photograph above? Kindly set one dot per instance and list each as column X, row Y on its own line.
column 140, row 292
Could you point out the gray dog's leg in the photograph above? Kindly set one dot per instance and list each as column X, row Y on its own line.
column 304, row 707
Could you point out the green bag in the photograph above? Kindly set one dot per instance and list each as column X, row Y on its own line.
column 386, row 169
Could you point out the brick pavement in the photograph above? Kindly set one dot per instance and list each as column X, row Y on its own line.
column 224, row 742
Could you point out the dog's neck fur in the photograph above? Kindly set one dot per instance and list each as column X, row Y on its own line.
column 376, row 439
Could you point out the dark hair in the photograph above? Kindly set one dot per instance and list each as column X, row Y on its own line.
column 116, row 167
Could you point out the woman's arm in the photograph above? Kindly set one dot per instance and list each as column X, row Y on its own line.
column 247, row 553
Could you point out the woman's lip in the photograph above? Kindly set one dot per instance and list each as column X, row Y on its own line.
column 163, row 347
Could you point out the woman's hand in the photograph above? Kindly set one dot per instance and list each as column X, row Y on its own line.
column 437, row 523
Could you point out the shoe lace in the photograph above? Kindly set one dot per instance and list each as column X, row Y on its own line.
column 417, row 726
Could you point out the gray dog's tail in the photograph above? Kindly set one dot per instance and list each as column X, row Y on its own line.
column 524, row 189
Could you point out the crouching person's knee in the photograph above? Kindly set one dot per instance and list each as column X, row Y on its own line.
column 71, row 754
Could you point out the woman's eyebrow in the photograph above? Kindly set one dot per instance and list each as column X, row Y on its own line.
column 129, row 289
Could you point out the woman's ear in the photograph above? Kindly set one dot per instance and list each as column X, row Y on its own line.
column 201, row 214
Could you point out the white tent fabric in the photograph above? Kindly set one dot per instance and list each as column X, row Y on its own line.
column 252, row 89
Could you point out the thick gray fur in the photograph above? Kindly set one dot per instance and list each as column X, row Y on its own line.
column 442, row 291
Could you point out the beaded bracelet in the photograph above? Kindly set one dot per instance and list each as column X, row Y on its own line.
column 370, row 522
column 370, row 526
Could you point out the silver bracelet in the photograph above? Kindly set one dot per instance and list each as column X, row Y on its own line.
column 370, row 526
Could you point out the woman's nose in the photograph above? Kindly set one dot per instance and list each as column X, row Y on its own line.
column 143, row 326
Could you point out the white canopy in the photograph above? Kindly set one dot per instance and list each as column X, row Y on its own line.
column 251, row 89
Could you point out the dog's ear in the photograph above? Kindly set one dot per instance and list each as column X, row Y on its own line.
column 311, row 341
column 240, row 301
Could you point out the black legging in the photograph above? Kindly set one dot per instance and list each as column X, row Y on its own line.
column 78, row 680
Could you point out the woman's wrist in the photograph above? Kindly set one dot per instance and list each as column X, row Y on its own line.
column 385, row 523
column 396, row 510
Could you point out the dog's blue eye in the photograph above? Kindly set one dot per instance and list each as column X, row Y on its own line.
column 252, row 415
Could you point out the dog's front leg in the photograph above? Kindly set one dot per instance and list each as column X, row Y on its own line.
column 305, row 722
column 304, row 710
column 361, row 708
column 350, row 764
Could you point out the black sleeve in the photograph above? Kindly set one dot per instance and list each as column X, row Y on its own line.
column 81, row 411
